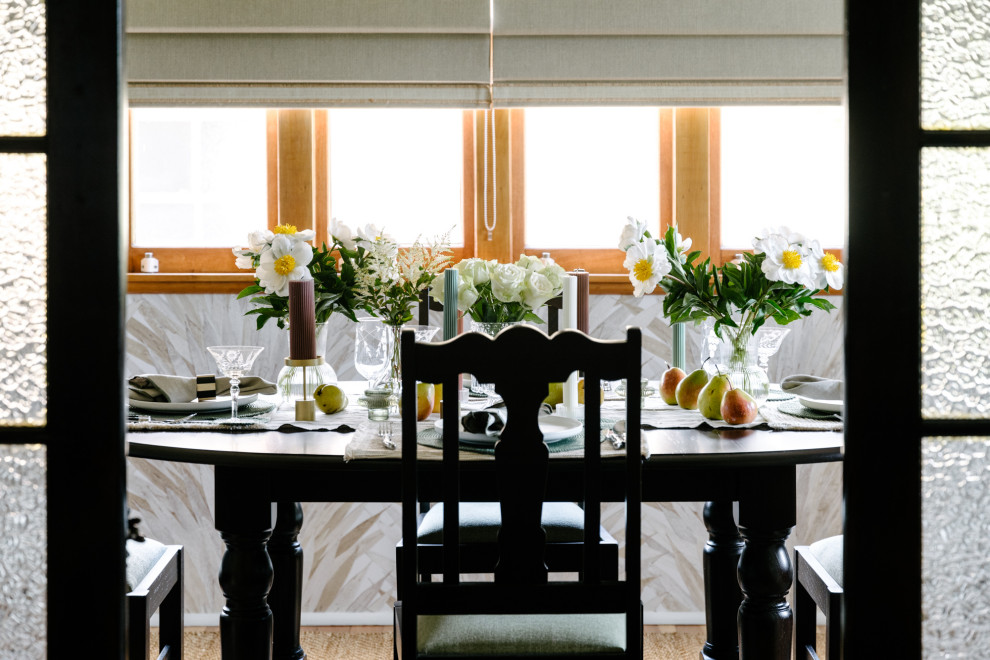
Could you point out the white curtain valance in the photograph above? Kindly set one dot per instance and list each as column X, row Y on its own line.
column 436, row 52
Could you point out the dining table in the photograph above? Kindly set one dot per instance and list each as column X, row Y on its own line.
column 745, row 475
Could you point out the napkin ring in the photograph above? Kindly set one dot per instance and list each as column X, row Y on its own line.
column 206, row 387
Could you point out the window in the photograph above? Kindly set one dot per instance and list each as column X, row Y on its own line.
column 586, row 171
column 783, row 166
column 565, row 181
column 401, row 170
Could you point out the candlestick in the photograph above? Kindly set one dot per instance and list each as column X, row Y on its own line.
column 449, row 303
column 678, row 345
column 302, row 320
column 569, row 309
column 583, row 299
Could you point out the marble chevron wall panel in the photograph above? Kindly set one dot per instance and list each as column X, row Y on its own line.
column 350, row 548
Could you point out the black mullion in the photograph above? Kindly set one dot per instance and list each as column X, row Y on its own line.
column 23, row 144
column 25, row 436
column 955, row 138
column 955, row 427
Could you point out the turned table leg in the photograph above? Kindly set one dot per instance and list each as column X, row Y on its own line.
column 722, row 594
column 244, row 520
column 285, row 596
column 766, row 517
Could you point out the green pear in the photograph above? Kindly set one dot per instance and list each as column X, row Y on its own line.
column 710, row 399
column 689, row 389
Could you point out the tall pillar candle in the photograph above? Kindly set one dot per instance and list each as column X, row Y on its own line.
column 302, row 320
column 583, row 299
column 678, row 345
column 450, row 285
column 570, row 322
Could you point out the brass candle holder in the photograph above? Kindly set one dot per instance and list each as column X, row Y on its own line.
column 305, row 407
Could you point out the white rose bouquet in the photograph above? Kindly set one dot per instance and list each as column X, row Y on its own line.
column 490, row 292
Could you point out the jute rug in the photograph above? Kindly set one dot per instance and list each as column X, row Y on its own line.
column 326, row 644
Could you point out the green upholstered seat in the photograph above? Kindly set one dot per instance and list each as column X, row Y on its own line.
column 511, row 634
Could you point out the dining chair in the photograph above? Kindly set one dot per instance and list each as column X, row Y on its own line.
column 479, row 521
column 154, row 581
column 817, row 585
column 514, row 608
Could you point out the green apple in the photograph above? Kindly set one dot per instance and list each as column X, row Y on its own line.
column 689, row 389
column 710, row 399
column 668, row 384
column 424, row 400
column 330, row 398
column 738, row 407
column 555, row 395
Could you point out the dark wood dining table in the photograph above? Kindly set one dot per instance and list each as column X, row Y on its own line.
column 747, row 568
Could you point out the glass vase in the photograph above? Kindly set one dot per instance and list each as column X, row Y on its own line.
column 736, row 354
column 393, row 379
column 290, row 379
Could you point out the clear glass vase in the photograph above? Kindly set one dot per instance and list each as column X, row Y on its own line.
column 736, row 354
column 424, row 333
column 290, row 379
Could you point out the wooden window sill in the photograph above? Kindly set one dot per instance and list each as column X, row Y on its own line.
column 188, row 282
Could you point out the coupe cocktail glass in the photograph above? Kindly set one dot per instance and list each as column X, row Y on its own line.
column 233, row 362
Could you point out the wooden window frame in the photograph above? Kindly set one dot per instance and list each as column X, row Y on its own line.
column 298, row 151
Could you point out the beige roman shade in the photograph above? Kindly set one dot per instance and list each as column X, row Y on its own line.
column 668, row 52
column 307, row 53
column 437, row 52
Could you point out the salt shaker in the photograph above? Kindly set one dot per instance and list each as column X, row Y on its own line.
column 149, row 264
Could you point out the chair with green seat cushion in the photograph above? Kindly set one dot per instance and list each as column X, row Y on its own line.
column 154, row 584
column 817, row 585
column 479, row 524
column 516, row 609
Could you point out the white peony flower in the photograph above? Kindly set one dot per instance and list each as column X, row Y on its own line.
column 555, row 273
column 537, row 290
column 295, row 234
column 828, row 271
column 507, row 282
column 632, row 233
column 245, row 258
column 646, row 266
column 286, row 260
column 787, row 262
column 682, row 245
column 372, row 233
column 342, row 233
column 766, row 234
column 259, row 241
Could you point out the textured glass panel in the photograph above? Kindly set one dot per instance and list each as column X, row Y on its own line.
column 955, row 283
column 23, row 288
column 955, row 577
column 23, row 543
column 955, row 64
column 22, row 67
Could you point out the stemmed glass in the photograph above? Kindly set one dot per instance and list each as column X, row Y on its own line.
column 233, row 362
column 372, row 349
column 768, row 340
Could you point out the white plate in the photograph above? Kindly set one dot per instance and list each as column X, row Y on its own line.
column 553, row 427
column 220, row 403
column 822, row 405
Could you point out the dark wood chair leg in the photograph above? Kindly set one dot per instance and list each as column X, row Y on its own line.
column 138, row 628
column 170, row 616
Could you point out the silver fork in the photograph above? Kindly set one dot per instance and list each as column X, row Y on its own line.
column 385, row 433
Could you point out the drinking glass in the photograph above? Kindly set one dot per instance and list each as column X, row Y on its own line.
column 372, row 349
column 768, row 340
column 233, row 362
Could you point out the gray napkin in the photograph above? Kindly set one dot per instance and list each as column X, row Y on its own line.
column 182, row 389
column 813, row 387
